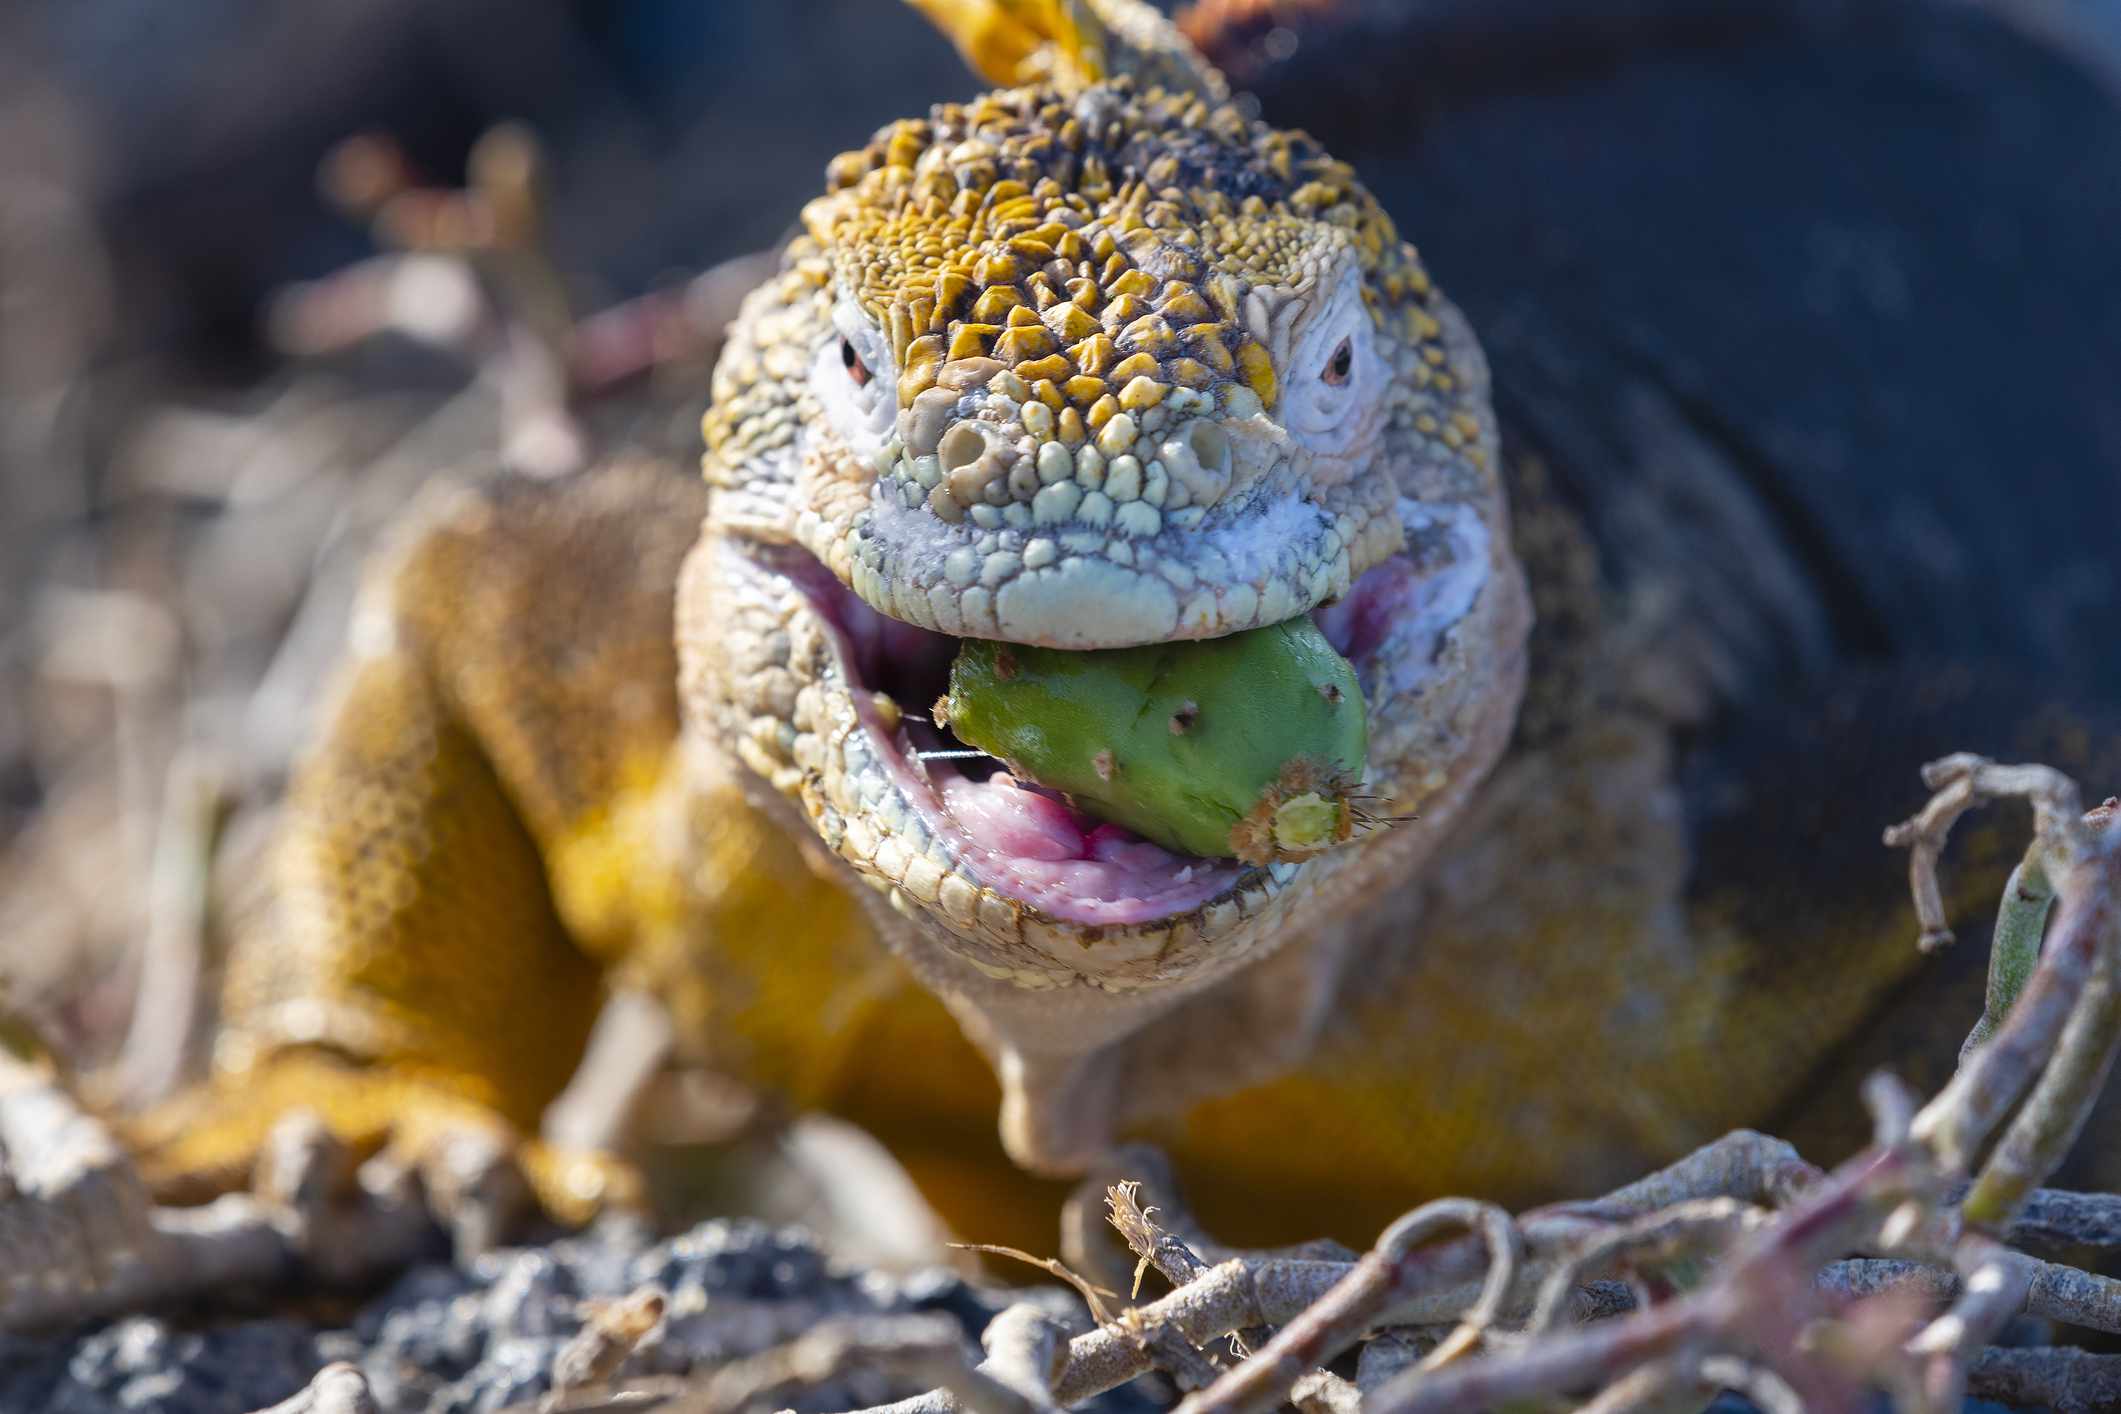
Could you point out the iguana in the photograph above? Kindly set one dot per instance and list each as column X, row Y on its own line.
column 1093, row 360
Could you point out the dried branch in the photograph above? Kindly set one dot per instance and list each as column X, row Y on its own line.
column 2056, row 1293
column 1961, row 782
column 1391, row 1351
column 2060, row 1379
column 1744, row 1164
column 79, row 1239
column 1660, row 1387
column 1024, row 1349
column 2056, row 1223
column 1682, row 1230
column 2077, row 1297
column 1361, row 1298
column 1995, row 1075
column 1169, row 1350
column 1434, row 1282
column 1993, row 1290
column 1177, row 1262
column 614, row 1330
column 1323, row 1392
column 928, row 1349
column 2043, row 1131
column 1094, row 1296
column 1756, row 1382
column 156, row 1053
column 338, row 1388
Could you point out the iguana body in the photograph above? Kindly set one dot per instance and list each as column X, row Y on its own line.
column 1056, row 365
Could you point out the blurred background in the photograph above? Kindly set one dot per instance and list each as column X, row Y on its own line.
column 1813, row 308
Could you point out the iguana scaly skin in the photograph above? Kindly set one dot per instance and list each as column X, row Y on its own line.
column 1092, row 361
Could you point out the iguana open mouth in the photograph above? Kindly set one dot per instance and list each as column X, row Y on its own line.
column 1015, row 836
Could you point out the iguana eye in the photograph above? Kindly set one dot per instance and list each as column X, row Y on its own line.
column 852, row 362
column 1334, row 393
column 1341, row 364
column 851, row 374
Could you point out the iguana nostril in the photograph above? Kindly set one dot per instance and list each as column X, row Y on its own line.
column 1210, row 444
column 961, row 446
column 1199, row 460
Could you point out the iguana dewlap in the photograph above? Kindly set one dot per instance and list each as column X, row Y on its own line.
column 1090, row 362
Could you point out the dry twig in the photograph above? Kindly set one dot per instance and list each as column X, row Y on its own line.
column 338, row 1388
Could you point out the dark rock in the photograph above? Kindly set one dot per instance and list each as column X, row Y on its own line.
column 482, row 1336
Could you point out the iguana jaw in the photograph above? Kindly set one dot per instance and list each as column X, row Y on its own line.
column 801, row 677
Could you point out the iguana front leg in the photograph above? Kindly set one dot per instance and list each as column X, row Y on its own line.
column 417, row 984
column 491, row 824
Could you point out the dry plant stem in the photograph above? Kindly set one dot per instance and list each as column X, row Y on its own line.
column 2021, row 918
column 924, row 1348
column 1960, row 783
column 1387, row 1353
column 1323, row 1392
column 2056, row 1293
column 1756, row 1382
column 1660, row 1387
column 1025, row 1348
column 1094, row 1296
column 614, row 1330
column 1177, row 1262
column 2078, row 1298
column 338, row 1388
column 2043, row 1131
column 158, row 1040
column 629, row 1041
column 1752, row 1302
column 1585, row 1356
column 2060, row 1379
column 1994, row 1286
column 1359, row 1300
column 1169, row 1350
column 1086, row 1216
column 1436, row 1282
column 2057, row 1223
column 1744, row 1164
column 1706, row 1224
column 1229, row 1296
column 79, row 1239
column 2060, row 1105
column 1859, row 1278
column 1961, row 1117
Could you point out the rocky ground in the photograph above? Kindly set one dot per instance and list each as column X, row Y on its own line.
column 485, row 1334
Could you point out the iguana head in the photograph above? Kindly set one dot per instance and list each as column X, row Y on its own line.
column 1087, row 363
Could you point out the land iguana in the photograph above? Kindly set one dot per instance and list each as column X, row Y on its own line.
column 1093, row 360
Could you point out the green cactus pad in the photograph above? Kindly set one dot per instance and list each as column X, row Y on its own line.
column 1245, row 747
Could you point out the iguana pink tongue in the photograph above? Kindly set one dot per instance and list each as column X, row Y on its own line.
column 1071, row 864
